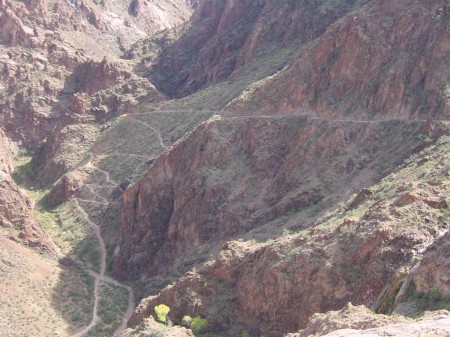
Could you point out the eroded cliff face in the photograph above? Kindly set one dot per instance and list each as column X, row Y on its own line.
column 16, row 216
column 225, row 35
column 267, row 212
column 98, row 92
column 385, row 59
column 356, row 253
column 433, row 272
column 161, row 15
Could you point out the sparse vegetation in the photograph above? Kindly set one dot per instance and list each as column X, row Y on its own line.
column 186, row 321
column 162, row 312
column 428, row 301
column 198, row 324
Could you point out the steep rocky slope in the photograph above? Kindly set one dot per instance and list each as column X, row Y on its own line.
column 47, row 49
column 225, row 35
column 385, row 59
column 233, row 175
column 362, row 252
column 257, row 212
column 16, row 215
column 26, row 283
column 60, row 77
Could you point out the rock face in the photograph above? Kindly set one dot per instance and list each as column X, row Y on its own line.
column 359, row 321
column 266, row 216
column 225, row 35
column 61, row 152
column 433, row 273
column 63, row 189
column 352, row 254
column 157, row 15
column 382, row 60
column 16, row 208
column 151, row 328
column 92, row 77
column 12, row 28
column 350, row 317
column 223, row 181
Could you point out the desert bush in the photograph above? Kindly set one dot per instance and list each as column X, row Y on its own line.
column 186, row 321
column 162, row 311
column 198, row 324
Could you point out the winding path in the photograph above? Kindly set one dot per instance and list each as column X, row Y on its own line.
column 158, row 133
column 101, row 277
column 105, row 173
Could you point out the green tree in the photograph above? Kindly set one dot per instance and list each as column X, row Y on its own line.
column 162, row 311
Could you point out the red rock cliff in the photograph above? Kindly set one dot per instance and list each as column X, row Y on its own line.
column 382, row 60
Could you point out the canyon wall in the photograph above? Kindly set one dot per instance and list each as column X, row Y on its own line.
column 16, row 208
column 383, row 60
column 362, row 252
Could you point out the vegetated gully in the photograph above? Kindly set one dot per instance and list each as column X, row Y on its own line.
column 101, row 277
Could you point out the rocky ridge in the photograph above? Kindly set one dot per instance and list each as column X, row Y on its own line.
column 223, row 36
column 230, row 182
column 46, row 83
column 56, row 81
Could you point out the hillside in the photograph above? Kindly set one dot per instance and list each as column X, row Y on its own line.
column 262, row 168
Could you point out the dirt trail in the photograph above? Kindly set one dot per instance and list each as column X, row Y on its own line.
column 101, row 277
column 314, row 117
column 96, row 229
column 158, row 133
column 90, row 187
column 125, row 155
column 224, row 115
column 105, row 173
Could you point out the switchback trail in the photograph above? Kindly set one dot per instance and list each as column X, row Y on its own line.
column 101, row 277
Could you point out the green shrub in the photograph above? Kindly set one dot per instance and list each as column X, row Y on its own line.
column 245, row 334
column 23, row 153
column 162, row 311
column 186, row 321
column 431, row 300
column 198, row 324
